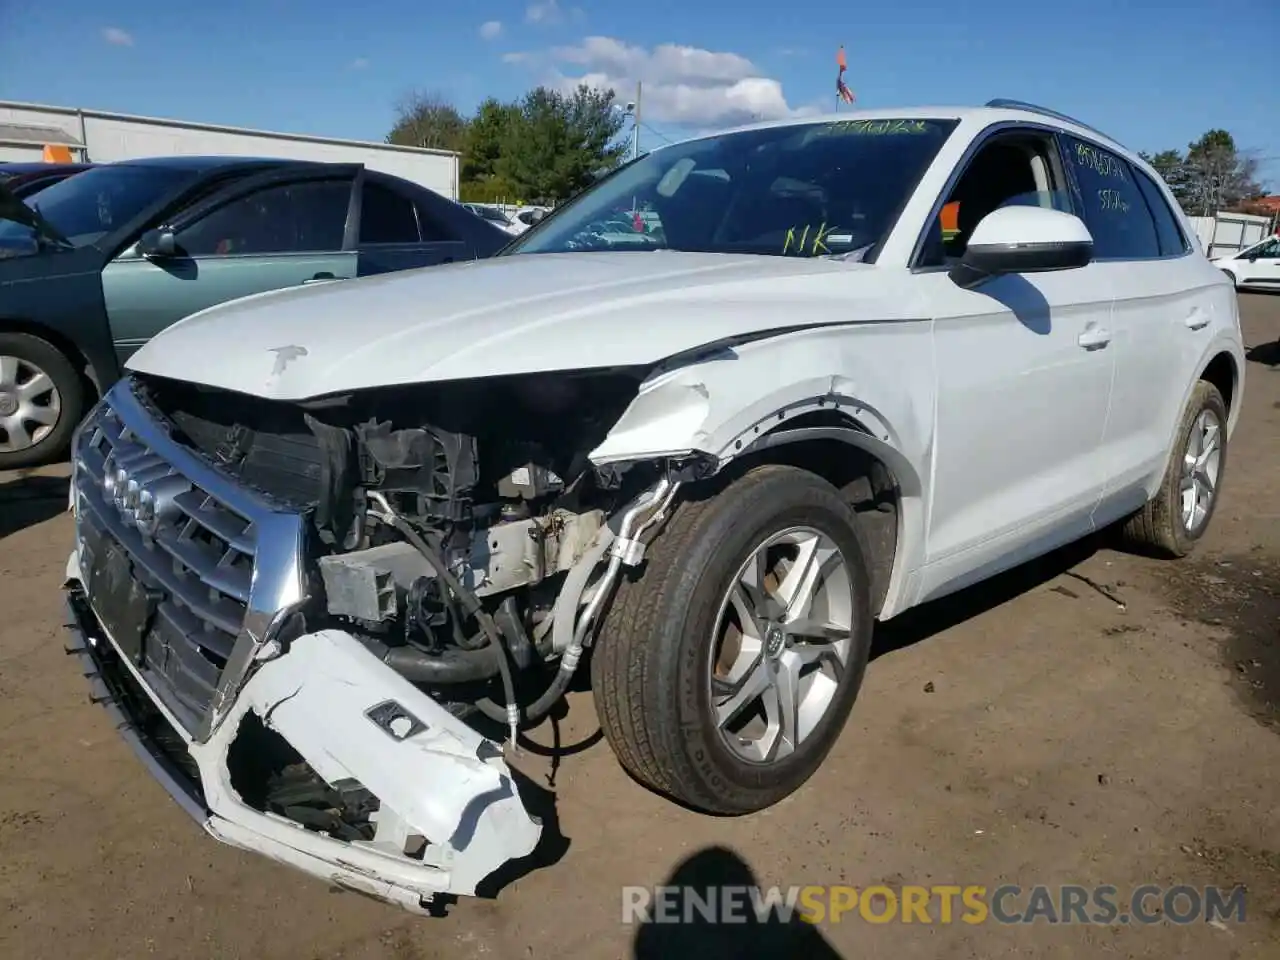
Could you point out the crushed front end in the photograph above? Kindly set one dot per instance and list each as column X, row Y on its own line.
column 280, row 659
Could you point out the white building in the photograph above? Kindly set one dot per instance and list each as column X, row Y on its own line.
column 27, row 129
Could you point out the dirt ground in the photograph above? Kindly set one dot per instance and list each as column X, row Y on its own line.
column 1093, row 718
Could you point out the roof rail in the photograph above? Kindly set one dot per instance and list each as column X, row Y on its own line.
column 1005, row 104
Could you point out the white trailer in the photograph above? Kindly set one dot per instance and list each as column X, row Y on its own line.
column 26, row 130
column 1229, row 233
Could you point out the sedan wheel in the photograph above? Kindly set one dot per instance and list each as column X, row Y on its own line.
column 29, row 405
column 41, row 399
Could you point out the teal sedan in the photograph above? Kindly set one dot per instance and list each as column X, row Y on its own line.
column 96, row 264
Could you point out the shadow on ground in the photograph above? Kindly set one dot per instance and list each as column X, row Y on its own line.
column 27, row 501
column 1267, row 354
column 735, row 932
column 920, row 623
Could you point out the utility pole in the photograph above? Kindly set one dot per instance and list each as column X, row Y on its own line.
column 635, row 125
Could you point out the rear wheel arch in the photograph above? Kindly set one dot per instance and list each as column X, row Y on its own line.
column 1224, row 374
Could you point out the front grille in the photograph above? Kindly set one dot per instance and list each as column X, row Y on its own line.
column 192, row 552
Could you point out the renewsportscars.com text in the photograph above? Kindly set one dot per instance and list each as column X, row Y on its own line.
column 935, row 904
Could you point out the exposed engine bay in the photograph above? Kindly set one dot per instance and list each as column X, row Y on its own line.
column 456, row 529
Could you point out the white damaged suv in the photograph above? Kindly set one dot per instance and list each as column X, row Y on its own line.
column 704, row 426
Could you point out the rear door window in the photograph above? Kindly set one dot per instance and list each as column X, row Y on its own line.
column 386, row 216
column 1114, row 208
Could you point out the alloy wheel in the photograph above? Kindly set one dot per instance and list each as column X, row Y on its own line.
column 782, row 641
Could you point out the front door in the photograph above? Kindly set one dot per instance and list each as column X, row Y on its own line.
column 1024, row 369
column 274, row 231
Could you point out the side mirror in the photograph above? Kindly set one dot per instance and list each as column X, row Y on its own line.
column 1023, row 240
column 157, row 243
column 537, row 217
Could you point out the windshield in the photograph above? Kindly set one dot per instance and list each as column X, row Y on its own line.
column 85, row 207
column 796, row 190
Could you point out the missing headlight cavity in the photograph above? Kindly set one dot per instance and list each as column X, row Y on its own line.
column 270, row 776
column 443, row 519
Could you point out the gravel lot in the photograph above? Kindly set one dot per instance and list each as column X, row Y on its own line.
column 1091, row 718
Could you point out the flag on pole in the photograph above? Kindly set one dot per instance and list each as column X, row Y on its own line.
column 842, row 89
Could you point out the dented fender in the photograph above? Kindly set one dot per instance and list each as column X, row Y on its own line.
column 881, row 377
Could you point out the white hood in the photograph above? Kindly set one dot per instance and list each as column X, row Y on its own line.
column 507, row 315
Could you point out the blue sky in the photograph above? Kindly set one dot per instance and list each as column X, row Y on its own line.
column 1153, row 74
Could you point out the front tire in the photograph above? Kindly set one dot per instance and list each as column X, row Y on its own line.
column 725, row 672
column 1177, row 517
column 41, row 401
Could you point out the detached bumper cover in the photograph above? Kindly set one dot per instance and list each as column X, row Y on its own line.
column 349, row 717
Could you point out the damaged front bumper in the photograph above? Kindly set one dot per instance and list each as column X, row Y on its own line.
column 441, row 810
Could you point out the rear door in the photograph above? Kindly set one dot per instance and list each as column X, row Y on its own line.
column 1160, row 316
column 397, row 232
column 292, row 226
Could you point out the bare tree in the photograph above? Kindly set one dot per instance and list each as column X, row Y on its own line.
column 1220, row 175
column 428, row 119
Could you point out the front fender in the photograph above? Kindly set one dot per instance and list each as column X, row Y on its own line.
column 881, row 376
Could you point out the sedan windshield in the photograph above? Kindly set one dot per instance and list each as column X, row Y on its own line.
column 85, row 207
column 798, row 190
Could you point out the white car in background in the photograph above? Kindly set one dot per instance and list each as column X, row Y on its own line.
column 1254, row 268
column 859, row 363
column 495, row 216
column 528, row 216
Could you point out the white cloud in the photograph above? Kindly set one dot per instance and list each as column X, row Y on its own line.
column 117, row 37
column 682, row 85
column 359, row 63
column 491, row 29
column 543, row 11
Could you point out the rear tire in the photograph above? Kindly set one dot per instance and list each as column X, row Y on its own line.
column 1177, row 517
column 41, row 400
column 680, row 636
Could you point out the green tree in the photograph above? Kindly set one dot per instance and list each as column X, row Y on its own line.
column 486, row 134
column 1173, row 170
column 558, row 143
column 428, row 120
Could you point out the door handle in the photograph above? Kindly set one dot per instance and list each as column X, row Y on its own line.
column 1197, row 320
column 320, row 278
column 1094, row 337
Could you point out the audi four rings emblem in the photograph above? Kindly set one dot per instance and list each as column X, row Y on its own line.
column 136, row 487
